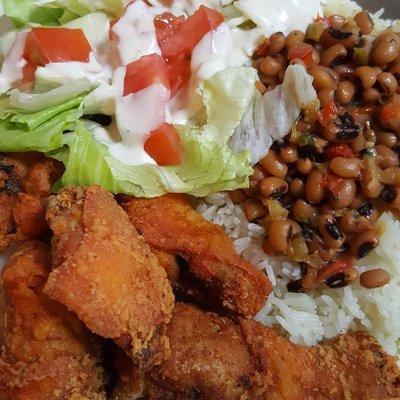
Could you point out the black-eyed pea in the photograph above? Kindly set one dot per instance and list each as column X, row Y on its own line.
column 330, row 231
column 374, row 278
column 344, row 195
column 273, row 164
column 364, row 243
column 315, row 186
column 273, row 187
column 346, row 167
column 279, row 235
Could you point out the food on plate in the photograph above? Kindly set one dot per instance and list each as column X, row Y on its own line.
column 169, row 223
column 46, row 352
column 105, row 273
column 216, row 188
column 319, row 191
column 214, row 357
column 26, row 181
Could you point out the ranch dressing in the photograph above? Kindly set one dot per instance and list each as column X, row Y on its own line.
column 136, row 33
column 70, row 71
column 280, row 15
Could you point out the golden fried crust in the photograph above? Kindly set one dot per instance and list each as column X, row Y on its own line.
column 26, row 180
column 46, row 353
column 349, row 367
column 170, row 224
column 209, row 359
column 107, row 274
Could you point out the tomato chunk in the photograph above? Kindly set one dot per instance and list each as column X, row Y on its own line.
column 179, row 72
column 302, row 51
column 179, row 36
column 167, row 27
column 328, row 112
column 47, row 45
column 144, row 73
column 340, row 150
column 164, row 145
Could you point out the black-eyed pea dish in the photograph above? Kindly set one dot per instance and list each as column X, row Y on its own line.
column 339, row 168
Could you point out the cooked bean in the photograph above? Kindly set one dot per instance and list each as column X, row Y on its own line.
column 273, row 187
column 358, row 143
column 332, row 55
column 371, row 96
column 330, row 231
column 326, row 96
column 364, row 22
column 345, row 92
column 391, row 176
column 253, row 190
column 369, row 184
column 274, row 165
column 297, row 187
column 346, row 167
column 337, row 21
column 390, row 114
column 294, row 37
column 341, row 133
column 304, row 165
column 344, row 71
column 297, row 61
column 353, row 223
column 323, row 77
column 387, row 82
column 296, row 228
column 391, row 195
column 344, row 278
column 368, row 211
column 364, row 243
column 388, row 139
column 386, row 157
column 344, row 195
column 304, row 212
column 386, row 48
column 237, row 196
column 272, row 65
column 288, row 154
column 258, row 173
column 276, row 43
column 367, row 76
column 315, row 187
column 279, row 234
column 374, row 278
column 266, row 246
column 254, row 209
column 269, row 81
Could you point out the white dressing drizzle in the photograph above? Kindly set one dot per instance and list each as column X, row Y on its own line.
column 13, row 65
column 69, row 71
column 280, row 15
column 136, row 33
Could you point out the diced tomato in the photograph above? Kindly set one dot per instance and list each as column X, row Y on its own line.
column 179, row 72
column 164, row 146
column 328, row 112
column 327, row 21
column 303, row 52
column 145, row 72
column 334, row 183
column 28, row 73
column 340, row 150
column 332, row 269
column 46, row 45
column 179, row 36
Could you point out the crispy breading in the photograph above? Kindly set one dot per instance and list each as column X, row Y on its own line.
column 213, row 357
column 106, row 273
column 46, row 352
column 169, row 223
column 26, row 180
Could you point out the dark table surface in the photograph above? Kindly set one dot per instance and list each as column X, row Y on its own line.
column 392, row 7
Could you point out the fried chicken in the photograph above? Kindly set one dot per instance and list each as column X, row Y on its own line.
column 106, row 273
column 46, row 352
column 26, row 180
column 213, row 357
column 169, row 223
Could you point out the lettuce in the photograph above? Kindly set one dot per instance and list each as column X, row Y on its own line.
column 209, row 164
column 25, row 12
column 113, row 8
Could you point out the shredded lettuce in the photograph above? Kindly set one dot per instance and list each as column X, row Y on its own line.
column 25, row 12
column 209, row 164
column 114, row 8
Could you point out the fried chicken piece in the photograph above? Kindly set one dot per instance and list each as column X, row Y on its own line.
column 215, row 358
column 46, row 352
column 106, row 273
column 170, row 224
column 26, row 180
column 169, row 262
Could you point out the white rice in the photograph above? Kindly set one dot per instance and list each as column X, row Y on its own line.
column 324, row 313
